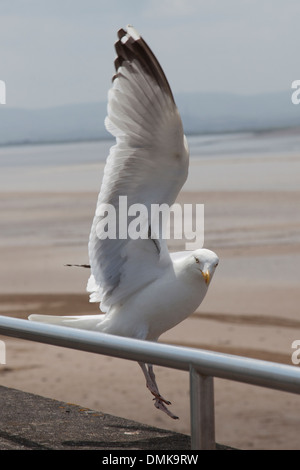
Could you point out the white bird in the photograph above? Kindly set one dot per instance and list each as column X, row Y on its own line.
column 142, row 288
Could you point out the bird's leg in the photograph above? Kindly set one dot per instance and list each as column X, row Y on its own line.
column 152, row 378
column 151, row 384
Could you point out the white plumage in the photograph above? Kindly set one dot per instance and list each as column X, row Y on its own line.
column 143, row 289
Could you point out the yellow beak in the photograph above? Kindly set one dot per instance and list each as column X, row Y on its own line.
column 206, row 276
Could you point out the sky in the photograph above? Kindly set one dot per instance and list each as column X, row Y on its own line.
column 57, row 52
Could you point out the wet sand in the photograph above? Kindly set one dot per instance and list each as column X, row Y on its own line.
column 251, row 309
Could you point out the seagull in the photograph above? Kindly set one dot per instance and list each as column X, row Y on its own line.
column 143, row 289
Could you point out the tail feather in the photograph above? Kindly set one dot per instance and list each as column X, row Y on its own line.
column 94, row 289
column 86, row 322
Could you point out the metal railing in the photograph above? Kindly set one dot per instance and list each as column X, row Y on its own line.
column 202, row 366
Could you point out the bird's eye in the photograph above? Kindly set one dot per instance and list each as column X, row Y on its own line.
column 216, row 265
column 197, row 261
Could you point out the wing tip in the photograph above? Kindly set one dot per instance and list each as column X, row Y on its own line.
column 130, row 32
column 130, row 46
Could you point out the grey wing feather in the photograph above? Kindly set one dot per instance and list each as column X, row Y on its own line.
column 148, row 164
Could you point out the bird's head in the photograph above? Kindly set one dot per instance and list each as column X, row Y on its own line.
column 203, row 262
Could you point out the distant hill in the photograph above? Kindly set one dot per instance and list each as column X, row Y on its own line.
column 220, row 112
column 201, row 113
column 64, row 123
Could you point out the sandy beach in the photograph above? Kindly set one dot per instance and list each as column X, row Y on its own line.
column 252, row 221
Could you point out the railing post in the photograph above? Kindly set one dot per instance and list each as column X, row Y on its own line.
column 202, row 411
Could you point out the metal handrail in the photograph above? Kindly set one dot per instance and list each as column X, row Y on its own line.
column 202, row 366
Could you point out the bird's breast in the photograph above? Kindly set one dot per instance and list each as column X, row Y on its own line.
column 165, row 304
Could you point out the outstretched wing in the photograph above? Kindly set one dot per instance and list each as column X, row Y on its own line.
column 148, row 165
